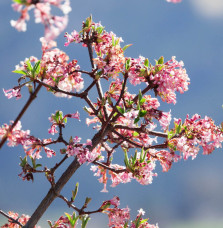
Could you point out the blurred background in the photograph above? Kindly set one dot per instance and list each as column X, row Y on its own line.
column 191, row 194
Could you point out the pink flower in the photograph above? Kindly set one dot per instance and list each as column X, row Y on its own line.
column 170, row 77
column 12, row 93
column 53, row 129
column 165, row 120
column 73, row 115
column 73, row 37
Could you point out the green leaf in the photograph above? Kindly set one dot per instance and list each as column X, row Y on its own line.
column 138, row 221
column 100, row 29
column 38, row 165
column 29, row 66
column 87, row 201
column 140, row 95
column 170, row 134
column 74, row 193
column 142, row 155
column 65, row 120
column 178, row 129
column 127, row 64
column 72, row 219
column 136, row 120
column 105, row 206
column 126, row 159
column 121, row 110
column 142, row 101
column 20, row 1
column 20, row 72
column 126, row 225
column 33, row 162
column 146, row 62
column 85, row 220
column 36, row 67
column 135, row 134
column 134, row 159
column 113, row 41
column 161, row 60
column 50, row 223
column 142, row 113
column 126, row 46
column 23, row 161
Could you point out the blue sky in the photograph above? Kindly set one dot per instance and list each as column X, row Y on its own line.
column 193, row 32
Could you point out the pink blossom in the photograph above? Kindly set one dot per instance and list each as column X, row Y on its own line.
column 165, row 120
column 12, row 93
column 23, row 219
column 49, row 152
column 197, row 132
column 118, row 217
column 170, row 77
column 53, row 129
column 73, row 37
column 53, row 24
column 73, row 115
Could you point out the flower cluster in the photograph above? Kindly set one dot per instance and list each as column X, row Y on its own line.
column 169, row 77
column 23, row 219
column 193, row 133
column 53, row 70
column 81, row 150
column 31, row 145
column 53, row 24
column 58, row 119
column 119, row 218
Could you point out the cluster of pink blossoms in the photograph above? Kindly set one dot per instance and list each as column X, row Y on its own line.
column 165, row 78
column 23, row 219
column 81, row 151
column 31, row 145
column 54, row 70
column 54, row 25
column 119, row 218
column 196, row 132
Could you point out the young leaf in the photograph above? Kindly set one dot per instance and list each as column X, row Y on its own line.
column 161, row 60
column 136, row 120
column 127, row 64
column 29, row 66
column 142, row 113
column 121, row 110
column 85, row 220
column 135, row 134
column 146, row 62
column 74, row 193
column 20, row 72
column 126, row 46
column 36, row 68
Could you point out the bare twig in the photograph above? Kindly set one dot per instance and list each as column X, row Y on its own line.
column 10, row 218
column 26, row 106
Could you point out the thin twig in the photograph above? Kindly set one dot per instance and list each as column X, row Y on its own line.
column 10, row 218
column 22, row 112
column 142, row 130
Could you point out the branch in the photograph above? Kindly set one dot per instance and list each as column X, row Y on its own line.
column 26, row 106
column 54, row 192
column 109, row 168
column 10, row 218
column 56, row 89
column 142, row 130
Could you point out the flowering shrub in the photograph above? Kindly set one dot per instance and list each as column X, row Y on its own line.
column 121, row 119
